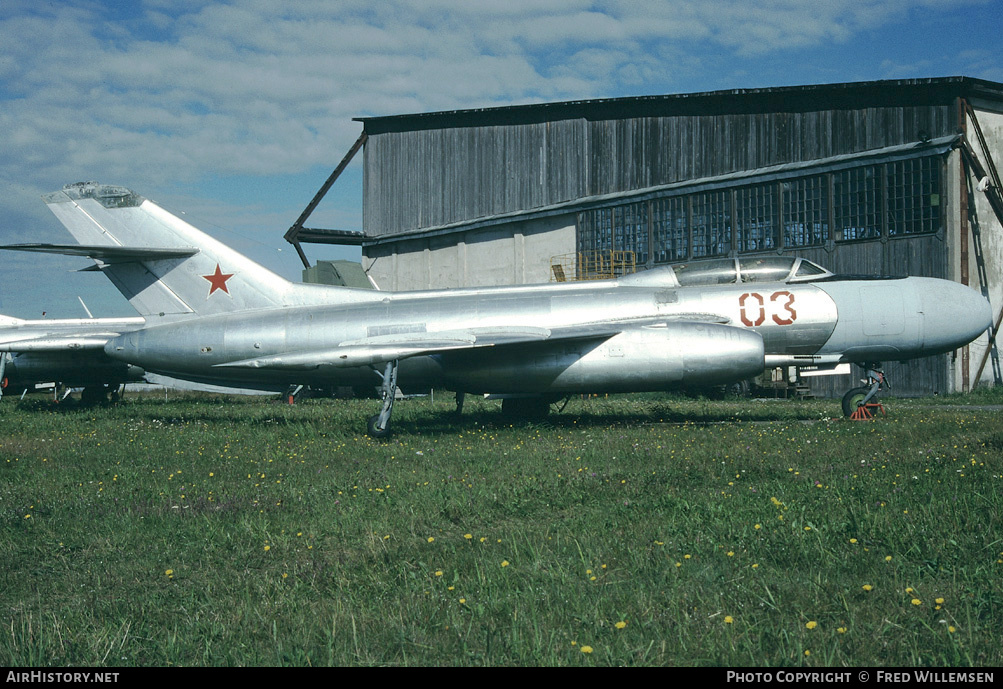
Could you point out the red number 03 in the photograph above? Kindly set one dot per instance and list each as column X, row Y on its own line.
column 752, row 307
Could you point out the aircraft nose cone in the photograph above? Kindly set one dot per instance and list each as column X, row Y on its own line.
column 953, row 314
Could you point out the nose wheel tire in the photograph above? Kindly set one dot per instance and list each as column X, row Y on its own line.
column 853, row 398
column 373, row 431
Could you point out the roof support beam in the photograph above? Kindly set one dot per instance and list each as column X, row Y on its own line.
column 292, row 234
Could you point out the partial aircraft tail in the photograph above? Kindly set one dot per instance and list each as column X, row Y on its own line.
column 163, row 266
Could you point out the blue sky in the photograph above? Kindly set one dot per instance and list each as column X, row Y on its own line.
column 234, row 113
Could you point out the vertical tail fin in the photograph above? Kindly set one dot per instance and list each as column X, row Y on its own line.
column 160, row 263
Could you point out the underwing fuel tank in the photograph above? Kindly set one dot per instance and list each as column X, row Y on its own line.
column 640, row 359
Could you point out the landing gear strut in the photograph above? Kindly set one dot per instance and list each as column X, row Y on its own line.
column 860, row 403
column 379, row 424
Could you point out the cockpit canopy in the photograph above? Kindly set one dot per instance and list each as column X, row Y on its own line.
column 726, row 271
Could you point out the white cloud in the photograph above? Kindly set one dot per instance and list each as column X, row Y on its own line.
column 182, row 90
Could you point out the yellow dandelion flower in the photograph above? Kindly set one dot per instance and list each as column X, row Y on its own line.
column 731, row 553
column 592, row 578
column 807, row 528
column 807, row 653
column 586, row 649
column 267, row 548
column 908, row 589
column 679, row 564
column 462, row 601
column 841, row 630
column 468, row 536
column 285, row 575
column 888, row 558
column 951, row 629
column 504, row 563
column 757, row 527
column 917, row 601
column 687, row 556
column 431, row 539
column 853, row 540
column 939, row 601
column 755, row 565
column 620, row 625
column 438, row 572
column 812, row 624
column 867, row 587
column 170, row 573
column 728, row 619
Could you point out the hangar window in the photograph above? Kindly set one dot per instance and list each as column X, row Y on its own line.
column 711, row 224
column 857, row 203
column 630, row 230
column 595, row 230
column 620, row 228
column 892, row 199
column 756, row 222
column 914, row 196
column 806, row 213
column 670, row 229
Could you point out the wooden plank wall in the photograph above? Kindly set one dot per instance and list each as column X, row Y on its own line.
column 432, row 177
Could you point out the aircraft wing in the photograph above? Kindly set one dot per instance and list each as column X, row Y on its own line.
column 384, row 348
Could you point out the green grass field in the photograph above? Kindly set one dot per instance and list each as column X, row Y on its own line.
column 239, row 531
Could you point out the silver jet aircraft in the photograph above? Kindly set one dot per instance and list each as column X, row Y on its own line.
column 67, row 351
column 214, row 316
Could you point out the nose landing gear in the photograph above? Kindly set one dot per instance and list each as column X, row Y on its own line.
column 860, row 404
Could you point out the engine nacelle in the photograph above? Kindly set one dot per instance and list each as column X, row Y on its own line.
column 640, row 359
column 73, row 369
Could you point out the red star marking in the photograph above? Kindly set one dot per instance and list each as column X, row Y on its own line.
column 218, row 280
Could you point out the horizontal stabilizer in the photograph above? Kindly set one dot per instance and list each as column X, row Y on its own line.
column 108, row 254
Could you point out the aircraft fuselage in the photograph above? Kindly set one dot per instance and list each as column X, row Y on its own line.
column 676, row 335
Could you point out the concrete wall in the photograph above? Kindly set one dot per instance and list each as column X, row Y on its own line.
column 510, row 254
column 991, row 232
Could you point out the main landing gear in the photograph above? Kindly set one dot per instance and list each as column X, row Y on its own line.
column 861, row 403
column 379, row 424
